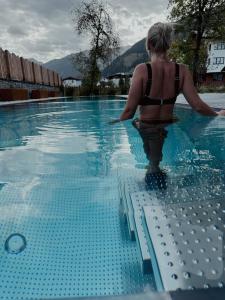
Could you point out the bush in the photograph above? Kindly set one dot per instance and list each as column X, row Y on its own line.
column 211, row 89
column 68, row 91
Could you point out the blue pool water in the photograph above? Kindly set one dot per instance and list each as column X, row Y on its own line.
column 59, row 200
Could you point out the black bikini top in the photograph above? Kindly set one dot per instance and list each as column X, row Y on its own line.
column 146, row 100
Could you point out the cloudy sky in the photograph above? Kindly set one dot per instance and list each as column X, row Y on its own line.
column 43, row 29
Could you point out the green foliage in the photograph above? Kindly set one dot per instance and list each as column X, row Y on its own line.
column 91, row 77
column 93, row 19
column 183, row 53
column 121, row 83
column 124, row 85
column 110, row 89
column 85, row 90
column 204, row 16
column 68, row 91
column 196, row 21
column 211, row 89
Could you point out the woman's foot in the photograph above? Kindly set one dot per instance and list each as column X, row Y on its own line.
column 156, row 180
column 153, row 169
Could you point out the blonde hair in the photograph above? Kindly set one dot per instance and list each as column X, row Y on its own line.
column 159, row 37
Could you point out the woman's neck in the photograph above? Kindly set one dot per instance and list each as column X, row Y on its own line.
column 159, row 57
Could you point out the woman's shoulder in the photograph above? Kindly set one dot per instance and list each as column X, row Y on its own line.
column 140, row 69
column 184, row 70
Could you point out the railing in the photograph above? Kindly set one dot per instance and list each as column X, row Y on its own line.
column 15, row 68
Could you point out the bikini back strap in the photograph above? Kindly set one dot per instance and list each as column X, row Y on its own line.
column 149, row 81
column 177, row 79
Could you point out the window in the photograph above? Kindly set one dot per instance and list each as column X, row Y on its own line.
column 208, row 61
column 219, row 46
column 218, row 60
column 218, row 76
column 210, row 47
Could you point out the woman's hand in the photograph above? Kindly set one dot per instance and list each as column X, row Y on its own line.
column 135, row 93
column 114, row 121
column 221, row 112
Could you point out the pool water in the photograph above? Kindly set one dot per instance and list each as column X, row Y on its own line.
column 61, row 231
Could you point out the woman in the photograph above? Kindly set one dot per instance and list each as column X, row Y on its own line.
column 155, row 87
column 163, row 82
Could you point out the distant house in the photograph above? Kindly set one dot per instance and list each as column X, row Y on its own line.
column 71, row 82
column 215, row 73
column 115, row 78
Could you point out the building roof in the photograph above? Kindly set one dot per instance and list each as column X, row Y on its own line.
column 72, row 78
column 119, row 75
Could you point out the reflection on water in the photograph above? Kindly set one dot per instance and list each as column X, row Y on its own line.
column 29, row 133
column 36, row 138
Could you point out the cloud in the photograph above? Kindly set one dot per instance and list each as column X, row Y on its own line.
column 134, row 23
column 44, row 29
column 16, row 31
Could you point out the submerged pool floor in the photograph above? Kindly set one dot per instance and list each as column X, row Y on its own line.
column 59, row 167
column 60, row 191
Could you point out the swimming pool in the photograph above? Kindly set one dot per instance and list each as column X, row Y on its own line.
column 59, row 166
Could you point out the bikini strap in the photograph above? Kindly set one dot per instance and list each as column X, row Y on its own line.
column 149, row 81
column 177, row 79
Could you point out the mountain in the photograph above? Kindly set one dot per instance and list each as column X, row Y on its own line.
column 123, row 49
column 126, row 62
column 35, row 61
column 65, row 67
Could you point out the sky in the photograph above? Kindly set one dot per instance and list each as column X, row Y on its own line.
column 43, row 29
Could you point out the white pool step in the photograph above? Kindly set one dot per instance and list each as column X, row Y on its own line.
column 186, row 244
column 138, row 200
column 135, row 196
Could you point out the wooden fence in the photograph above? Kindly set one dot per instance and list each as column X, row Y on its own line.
column 15, row 68
column 27, row 70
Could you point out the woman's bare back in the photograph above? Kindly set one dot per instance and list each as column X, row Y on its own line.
column 163, row 87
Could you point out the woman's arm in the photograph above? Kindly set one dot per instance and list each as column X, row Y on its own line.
column 192, row 96
column 135, row 93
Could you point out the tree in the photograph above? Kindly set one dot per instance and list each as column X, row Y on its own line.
column 121, row 84
column 94, row 19
column 200, row 19
column 182, row 51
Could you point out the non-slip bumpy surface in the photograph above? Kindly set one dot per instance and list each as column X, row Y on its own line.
column 75, row 245
column 59, row 190
column 188, row 240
